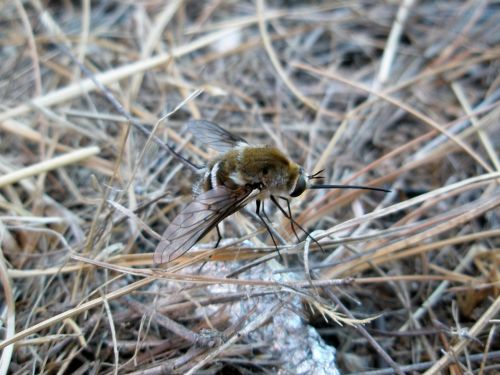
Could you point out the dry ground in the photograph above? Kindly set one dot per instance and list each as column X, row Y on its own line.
column 397, row 94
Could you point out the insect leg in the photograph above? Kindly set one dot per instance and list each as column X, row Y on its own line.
column 219, row 237
column 292, row 222
column 257, row 211
column 289, row 217
column 264, row 212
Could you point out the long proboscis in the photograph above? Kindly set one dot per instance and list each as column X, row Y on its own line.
column 321, row 186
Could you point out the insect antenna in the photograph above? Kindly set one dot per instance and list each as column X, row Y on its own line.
column 316, row 175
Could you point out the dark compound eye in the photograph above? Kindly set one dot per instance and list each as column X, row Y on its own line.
column 265, row 170
column 300, row 186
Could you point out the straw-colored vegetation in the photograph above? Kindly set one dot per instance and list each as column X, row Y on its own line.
column 396, row 94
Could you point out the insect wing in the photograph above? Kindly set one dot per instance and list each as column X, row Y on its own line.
column 214, row 136
column 197, row 219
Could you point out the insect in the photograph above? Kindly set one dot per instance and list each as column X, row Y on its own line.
column 241, row 173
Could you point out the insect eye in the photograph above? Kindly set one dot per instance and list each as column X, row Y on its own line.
column 265, row 170
column 300, row 186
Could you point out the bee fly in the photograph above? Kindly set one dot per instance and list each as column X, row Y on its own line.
column 240, row 174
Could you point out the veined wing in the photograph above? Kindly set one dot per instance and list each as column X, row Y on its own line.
column 214, row 136
column 198, row 218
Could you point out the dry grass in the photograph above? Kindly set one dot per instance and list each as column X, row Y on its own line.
column 403, row 95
